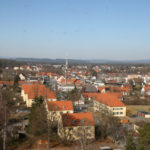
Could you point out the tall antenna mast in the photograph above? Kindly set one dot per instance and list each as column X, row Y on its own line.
column 66, row 68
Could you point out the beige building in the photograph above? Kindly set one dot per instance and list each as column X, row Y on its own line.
column 30, row 91
column 111, row 104
column 108, row 102
column 56, row 108
column 76, row 126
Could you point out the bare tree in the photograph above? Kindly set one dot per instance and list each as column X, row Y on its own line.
column 108, row 125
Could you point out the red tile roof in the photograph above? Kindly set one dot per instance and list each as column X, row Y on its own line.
column 120, row 89
column 78, row 119
column 90, row 95
column 42, row 73
column 71, row 81
column 147, row 88
column 59, row 105
column 100, row 88
column 49, row 73
column 35, row 89
column 109, row 99
column 7, row 82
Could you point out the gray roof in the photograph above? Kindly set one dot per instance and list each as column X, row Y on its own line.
column 90, row 88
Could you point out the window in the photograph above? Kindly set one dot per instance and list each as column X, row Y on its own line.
column 88, row 134
column 56, row 107
column 73, row 121
column 82, row 121
column 121, row 112
column 63, row 106
column 79, row 128
column 115, row 113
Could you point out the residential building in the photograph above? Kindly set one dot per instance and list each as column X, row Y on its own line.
column 56, row 108
column 77, row 126
column 109, row 102
column 30, row 91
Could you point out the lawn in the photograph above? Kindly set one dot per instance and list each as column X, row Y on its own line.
column 134, row 108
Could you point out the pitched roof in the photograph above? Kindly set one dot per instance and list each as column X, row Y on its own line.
column 35, row 89
column 147, row 88
column 100, row 88
column 90, row 88
column 6, row 82
column 59, row 105
column 51, row 74
column 120, row 89
column 71, row 81
column 90, row 95
column 109, row 99
column 78, row 119
column 42, row 73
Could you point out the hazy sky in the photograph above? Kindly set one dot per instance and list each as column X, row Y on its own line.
column 84, row 29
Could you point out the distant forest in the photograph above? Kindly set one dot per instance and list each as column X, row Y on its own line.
column 10, row 63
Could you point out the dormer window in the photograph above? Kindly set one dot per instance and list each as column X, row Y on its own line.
column 63, row 106
column 83, row 121
column 56, row 107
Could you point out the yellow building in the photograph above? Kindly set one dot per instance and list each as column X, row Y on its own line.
column 30, row 91
column 107, row 102
column 110, row 103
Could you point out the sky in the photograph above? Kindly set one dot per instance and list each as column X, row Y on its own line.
column 80, row 29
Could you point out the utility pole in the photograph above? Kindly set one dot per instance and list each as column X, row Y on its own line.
column 4, row 130
column 48, row 133
column 66, row 68
column 47, row 119
column 4, row 140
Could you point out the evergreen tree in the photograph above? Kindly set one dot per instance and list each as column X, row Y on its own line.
column 38, row 100
column 16, row 80
column 37, row 118
column 130, row 145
